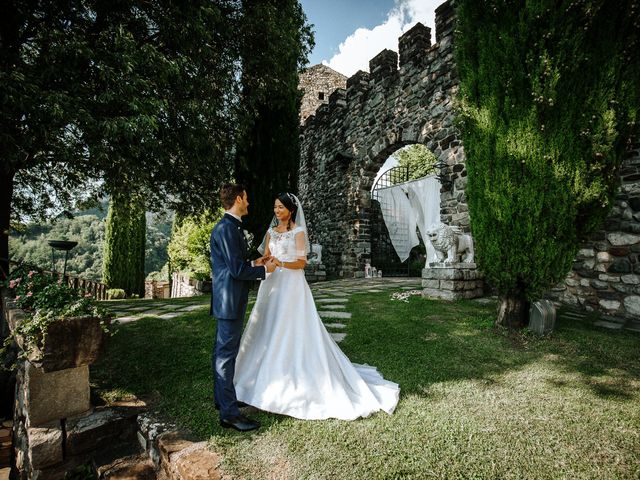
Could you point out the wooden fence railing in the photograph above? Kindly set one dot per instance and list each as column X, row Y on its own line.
column 97, row 290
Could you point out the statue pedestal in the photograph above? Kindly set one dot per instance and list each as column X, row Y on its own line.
column 452, row 281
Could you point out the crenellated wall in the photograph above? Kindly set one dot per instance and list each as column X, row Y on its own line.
column 405, row 99
column 408, row 98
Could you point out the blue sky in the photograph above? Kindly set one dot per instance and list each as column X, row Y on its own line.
column 350, row 32
column 335, row 20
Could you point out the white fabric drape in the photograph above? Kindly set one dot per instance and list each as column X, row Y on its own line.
column 400, row 220
column 424, row 197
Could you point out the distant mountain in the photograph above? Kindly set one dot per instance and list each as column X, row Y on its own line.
column 87, row 228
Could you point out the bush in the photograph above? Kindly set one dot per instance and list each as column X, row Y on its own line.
column 189, row 248
column 45, row 299
column 115, row 294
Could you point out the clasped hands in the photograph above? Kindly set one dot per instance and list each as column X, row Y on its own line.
column 270, row 262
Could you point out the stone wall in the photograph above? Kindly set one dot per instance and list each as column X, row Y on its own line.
column 316, row 83
column 405, row 99
column 606, row 273
column 184, row 286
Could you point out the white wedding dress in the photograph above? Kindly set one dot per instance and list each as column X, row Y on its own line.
column 289, row 364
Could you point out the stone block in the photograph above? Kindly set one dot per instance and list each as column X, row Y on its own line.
column 55, row 395
column 45, row 445
column 426, row 283
column 197, row 462
column 620, row 239
column 632, row 305
column 104, row 426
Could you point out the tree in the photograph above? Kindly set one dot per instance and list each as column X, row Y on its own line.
column 418, row 158
column 189, row 248
column 124, row 245
column 549, row 102
column 273, row 49
column 136, row 93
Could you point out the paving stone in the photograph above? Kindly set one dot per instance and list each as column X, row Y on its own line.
column 334, row 307
column 332, row 314
column 335, row 325
column 153, row 313
column 333, row 300
column 139, row 308
column 190, row 308
column 170, row 315
column 338, row 337
column 130, row 318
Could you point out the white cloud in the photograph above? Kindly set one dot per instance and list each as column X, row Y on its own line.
column 364, row 44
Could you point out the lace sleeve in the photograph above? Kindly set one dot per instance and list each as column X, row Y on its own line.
column 301, row 249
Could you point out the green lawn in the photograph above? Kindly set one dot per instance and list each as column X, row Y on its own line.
column 475, row 402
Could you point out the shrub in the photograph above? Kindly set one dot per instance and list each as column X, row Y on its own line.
column 189, row 247
column 115, row 294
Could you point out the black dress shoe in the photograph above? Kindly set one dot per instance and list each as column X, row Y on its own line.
column 240, row 423
column 240, row 405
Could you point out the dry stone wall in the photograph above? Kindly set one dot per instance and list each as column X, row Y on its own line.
column 606, row 273
column 409, row 99
column 406, row 99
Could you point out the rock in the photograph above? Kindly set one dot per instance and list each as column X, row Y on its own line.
column 103, row 427
column 55, row 395
column 618, row 238
column 632, row 305
column 620, row 265
column 631, row 279
column 45, row 446
column 197, row 462
column 609, row 304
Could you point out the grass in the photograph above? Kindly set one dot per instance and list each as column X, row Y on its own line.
column 476, row 402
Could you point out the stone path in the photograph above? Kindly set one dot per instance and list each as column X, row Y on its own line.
column 332, row 299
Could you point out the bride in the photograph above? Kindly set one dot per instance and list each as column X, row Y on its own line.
column 288, row 363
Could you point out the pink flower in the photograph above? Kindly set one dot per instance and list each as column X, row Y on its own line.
column 29, row 294
column 31, row 273
column 18, row 280
column 12, row 284
column 17, row 297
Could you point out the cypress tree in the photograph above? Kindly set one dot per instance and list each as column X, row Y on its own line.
column 273, row 49
column 548, row 104
column 124, row 245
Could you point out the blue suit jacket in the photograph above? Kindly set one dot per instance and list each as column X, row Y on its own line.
column 231, row 272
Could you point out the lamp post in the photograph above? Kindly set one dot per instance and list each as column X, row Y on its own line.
column 63, row 245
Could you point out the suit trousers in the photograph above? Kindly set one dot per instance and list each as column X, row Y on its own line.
column 225, row 351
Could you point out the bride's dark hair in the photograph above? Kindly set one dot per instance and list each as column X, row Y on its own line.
column 289, row 202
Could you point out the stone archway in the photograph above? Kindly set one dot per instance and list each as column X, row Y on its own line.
column 346, row 142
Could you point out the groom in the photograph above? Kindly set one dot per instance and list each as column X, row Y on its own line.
column 231, row 275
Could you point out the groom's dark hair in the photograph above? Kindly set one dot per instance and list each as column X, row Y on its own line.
column 229, row 192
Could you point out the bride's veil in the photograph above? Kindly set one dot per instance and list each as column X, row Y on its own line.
column 299, row 221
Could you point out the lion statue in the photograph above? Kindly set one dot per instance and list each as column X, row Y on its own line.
column 450, row 241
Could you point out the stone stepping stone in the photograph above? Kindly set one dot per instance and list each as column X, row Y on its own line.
column 127, row 319
column 335, row 325
column 169, row 315
column 332, row 314
column 190, row 308
column 609, row 325
column 153, row 313
column 374, row 290
column 338, row 336
column 335, row 307
column 333, row 300
column 339, row 294
column 140, row 309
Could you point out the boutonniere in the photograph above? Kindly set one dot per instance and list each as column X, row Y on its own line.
column 248, row 237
